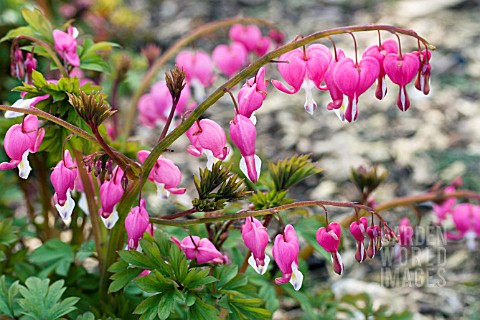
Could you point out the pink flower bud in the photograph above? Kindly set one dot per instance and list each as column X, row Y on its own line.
column 165, row 174
column 304, row 69
column 285, row 253
column 230, row 59
column 401, row 70
column 255, row 237
column 329, row 239
column 30, row 65
column 252, row 94
column 66, row 45
column 206, row 136
column 198, row 249
column 20, row 140
column 405, row 232
column 375, row 241
column 63, row 181
column 244, row 134
column 136, row 224
column 359, row 231
column 353, row 80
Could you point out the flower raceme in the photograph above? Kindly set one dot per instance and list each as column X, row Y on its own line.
column 136, row 224
column 329, row 238
column 207, row 136
column 66, row 45
column 244, row 134
column 255, row 237
column 63, row 181
column 165, row 174
column 285, row 253
column 20, row 140
column 201, row 250
column 304, row 69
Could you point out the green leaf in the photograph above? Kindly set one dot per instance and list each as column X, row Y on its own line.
column 86, row 316
column 38, row 79
column 53, row 255
column 287, row 172
column 7, row 297
column 41, row 301
column 166, row 305
column 148, row 307
column 179, row 263
column 202, row 311
column 87, row 249
column 198, row 277
column 8, row 233
column 137, row 259
column 224, row 274
column 27, row 31
column 39, row 22
column 122, row 278
column 154, row 282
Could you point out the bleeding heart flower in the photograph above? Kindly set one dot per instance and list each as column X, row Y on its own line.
column 466, row 217
column 359, row 231
column 329, row 239
column 136, row 224
column 206, row 136
column 353, row 80
column 304, row 69
column 379, row 52
column 20, row 140
column 252, row 94
column 165, row 174
column 198, row 68
column 422, row 82
column 230, row 59
column 375, row 242
column 111, row 193
column 255, row 237
column 66, row 45
column 401, row 70
column 244, row 134
column 63, row 181
column 198, row 249
column 285, row 253
column 249, row 36
column 405, row 232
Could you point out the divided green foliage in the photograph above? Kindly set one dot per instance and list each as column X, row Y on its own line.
column 285, row 173
column 216, row 187
column 42, row 302
column 53, row 255
column 178, row 288
column 8, row 303
column 8, row 233
column 38, row 26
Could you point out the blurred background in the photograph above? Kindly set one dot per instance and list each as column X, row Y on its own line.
column 438, row 139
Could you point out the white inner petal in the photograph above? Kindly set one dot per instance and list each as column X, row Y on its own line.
column 161, row 191
column 66, row 210
column 112, row 219
column 402, row 98
column 210, row 158
column 83, row 204
column 310, row 104
column 198, row 90
column 297, row 277
column 21, row 103
column 384, row 88
column 24, row 166
column 470, row 236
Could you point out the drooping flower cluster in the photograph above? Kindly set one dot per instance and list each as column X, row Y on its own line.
column 343, row 77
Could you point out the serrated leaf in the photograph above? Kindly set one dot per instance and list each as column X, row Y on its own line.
column 53, row 255
column 148, row 307
column 154, row 282
column 8, row 233
column 224, row 274
column 285, row 173
column 197, row 278
column 166, row 305
column 137, row 259
column 7, row 297
column 179, row 264
column 202, row 311
column 41, row 301
column 123, row 278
